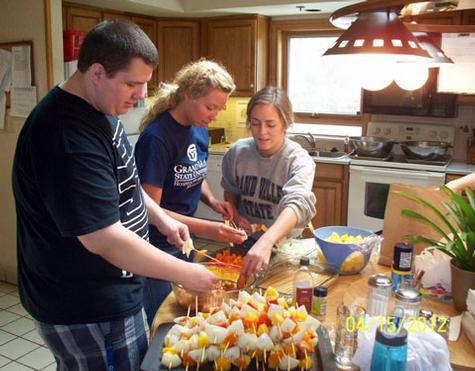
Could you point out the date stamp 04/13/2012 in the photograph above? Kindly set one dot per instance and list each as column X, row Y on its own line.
column 393, row 324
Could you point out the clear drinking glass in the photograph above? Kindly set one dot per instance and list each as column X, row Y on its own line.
column 346, row 334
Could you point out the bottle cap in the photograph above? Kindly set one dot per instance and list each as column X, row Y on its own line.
column 396, row 338
column 380, row 280
column 304, row 260
column 408, row 295
column 320, row 291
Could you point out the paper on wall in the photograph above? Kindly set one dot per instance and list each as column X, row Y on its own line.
column 458, row 77
column 3, row 103
column 5, row 70
column 22, row 101
column 21, row 66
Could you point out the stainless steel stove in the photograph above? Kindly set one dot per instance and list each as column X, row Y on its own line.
column 370, row 177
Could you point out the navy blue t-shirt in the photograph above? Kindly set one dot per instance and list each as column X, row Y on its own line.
column 73, row 174
column 172, row 157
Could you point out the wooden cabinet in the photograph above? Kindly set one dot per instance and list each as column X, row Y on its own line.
column 240, row 44
column 468, row 17
column 454, row 17
column 81, row 19
column 331, row 189
column 113, row 15
column 178, row 44
column 149, row 26
column 450, row 177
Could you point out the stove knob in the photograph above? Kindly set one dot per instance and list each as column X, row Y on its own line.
column 444, row 135
column 377, row 131
column 433, row 134
column 387, row 131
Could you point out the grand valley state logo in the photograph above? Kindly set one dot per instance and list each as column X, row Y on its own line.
column 191, row 152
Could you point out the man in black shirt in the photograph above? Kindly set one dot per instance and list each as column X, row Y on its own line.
column 82, row 216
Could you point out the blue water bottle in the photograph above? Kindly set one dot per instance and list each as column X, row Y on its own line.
column 390, row 350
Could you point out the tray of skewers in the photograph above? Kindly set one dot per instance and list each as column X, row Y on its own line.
column 256, row 331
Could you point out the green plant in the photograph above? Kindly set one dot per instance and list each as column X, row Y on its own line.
column 459, row 243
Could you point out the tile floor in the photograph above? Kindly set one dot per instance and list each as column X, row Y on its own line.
column 21, row 348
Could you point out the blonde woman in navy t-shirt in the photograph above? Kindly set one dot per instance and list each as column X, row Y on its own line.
column 171, row 156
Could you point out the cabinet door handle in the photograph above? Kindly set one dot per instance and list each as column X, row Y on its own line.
column 251, row 86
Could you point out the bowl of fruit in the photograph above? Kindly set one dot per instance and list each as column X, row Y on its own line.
column 345, row 249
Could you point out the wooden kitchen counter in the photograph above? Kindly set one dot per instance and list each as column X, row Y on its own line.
column 346, row 289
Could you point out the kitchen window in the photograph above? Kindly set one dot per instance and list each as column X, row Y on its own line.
column 320, row 85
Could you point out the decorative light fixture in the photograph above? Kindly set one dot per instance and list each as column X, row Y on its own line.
column 379, row 32
column 437, row 56
column 413, row 75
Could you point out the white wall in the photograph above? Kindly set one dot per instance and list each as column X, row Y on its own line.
column 19, row 20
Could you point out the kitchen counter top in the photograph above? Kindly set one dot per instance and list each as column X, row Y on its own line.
column 462, row 354
column 460, row 168
column 221, row 148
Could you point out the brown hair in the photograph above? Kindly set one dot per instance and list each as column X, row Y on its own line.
column 278, row 98
column 113, row 44
column 195, row 79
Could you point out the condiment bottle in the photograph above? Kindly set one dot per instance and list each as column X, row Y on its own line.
column 410, row 299
column 402, row 266
column 379, row 294
column 303, row 285
column 390, row 350
column 319, row 302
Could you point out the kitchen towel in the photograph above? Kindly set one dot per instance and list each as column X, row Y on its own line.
column 396, row 226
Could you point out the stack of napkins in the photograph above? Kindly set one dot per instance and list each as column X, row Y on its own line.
column 468, row 320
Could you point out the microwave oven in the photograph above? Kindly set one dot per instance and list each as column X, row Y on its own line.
column 424, row 101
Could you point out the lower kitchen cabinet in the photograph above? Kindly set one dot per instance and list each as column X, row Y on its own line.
column 330, row 186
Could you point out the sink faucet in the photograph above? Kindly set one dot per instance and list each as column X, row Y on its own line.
column 309, row 138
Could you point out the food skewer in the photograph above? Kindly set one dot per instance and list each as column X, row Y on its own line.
column 196, row 305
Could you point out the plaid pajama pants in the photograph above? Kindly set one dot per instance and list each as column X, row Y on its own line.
column 113, row 346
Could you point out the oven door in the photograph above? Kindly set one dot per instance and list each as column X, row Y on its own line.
column 369, row 187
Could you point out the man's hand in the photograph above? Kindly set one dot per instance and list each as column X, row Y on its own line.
column 198, row 278
column 177, row 233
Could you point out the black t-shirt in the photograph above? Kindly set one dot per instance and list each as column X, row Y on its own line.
column 74, row 173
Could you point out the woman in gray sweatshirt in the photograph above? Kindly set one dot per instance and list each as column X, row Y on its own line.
column 268, row 178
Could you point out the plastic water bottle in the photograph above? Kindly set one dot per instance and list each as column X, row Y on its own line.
column 303, row 285
column 390, row 349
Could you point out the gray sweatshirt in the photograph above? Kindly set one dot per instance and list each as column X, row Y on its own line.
column 267, row 185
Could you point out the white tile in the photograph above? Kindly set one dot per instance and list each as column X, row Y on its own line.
column 51, row 367
column 18, row 309
column 19, row 327
column 14, row 366
column 8, row 300
column 37, row 359
column 17, row 348
column 4, row 361
column 34, row 337
column 5, row 337
column 7, row 317
column 6, row 287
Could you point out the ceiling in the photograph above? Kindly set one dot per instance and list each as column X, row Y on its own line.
column 206, row 8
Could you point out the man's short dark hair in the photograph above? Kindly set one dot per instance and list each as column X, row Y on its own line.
column 114, row 43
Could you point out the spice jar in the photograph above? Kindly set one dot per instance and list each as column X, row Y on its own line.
column 319, row 303
column 410, row 299
column 379, row 294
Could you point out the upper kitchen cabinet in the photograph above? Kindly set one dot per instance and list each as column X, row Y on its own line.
column 80, row 19
column 149, row 26
column 178, row 44
column 468, row 17
column 240, row 44
column 114, row 15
